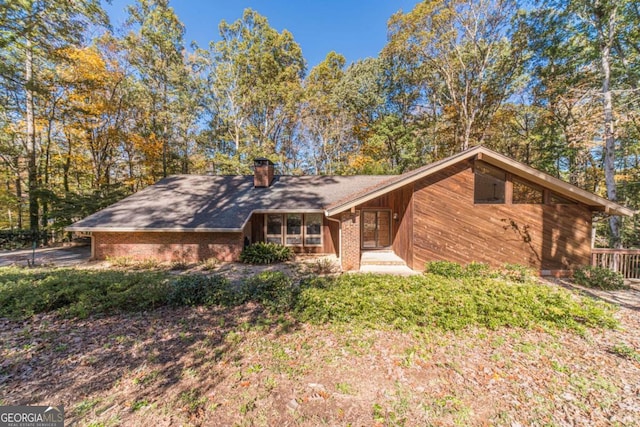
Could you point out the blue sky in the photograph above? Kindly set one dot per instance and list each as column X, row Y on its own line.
column 355, row 28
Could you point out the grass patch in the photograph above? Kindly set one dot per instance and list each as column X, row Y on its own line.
column 376, row 301
column 407, row 303
column 626, row 352
column 78, row 293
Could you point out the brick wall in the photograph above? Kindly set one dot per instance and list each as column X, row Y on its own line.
column 350, row 250
column 168, row 246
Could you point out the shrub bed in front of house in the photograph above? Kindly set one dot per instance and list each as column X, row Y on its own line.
column 266, row 253
column 429, row 301
column 79, row 293
column 375, row 301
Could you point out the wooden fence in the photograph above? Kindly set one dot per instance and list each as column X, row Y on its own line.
column 624, row 261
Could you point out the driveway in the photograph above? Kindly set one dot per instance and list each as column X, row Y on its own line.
column 58, row 257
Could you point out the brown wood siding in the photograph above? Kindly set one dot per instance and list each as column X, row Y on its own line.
column 257, row 228
column 400, row 203
column 330, row 236
column 449, row 226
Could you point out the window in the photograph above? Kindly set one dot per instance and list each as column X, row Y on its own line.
column 274, row 228
column 294, row 229
column 489, row 184
column 555, row 199
column 313, row 229
column 524, row 193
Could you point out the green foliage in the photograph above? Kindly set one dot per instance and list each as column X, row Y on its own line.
column 74, row 206
column 209, row 264
column 273, row 289
column 324, row 265
column 444, row 268
column 478, row 269
column 406, row 303
column 15, row 239
column 516, row 273
column 79, row 293
column 626, row 352
column 194, row 290
column 192, row 400
column 265, row 253
column 121, row 261
column 179, row 265
column 511, row 272
column 599, row 278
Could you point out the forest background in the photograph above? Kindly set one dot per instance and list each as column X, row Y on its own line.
column 90, row 113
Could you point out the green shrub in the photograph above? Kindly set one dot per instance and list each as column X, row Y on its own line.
column 265, row 253
column 209, row 264
column 321, row 266
column 599, row 278
column 179, row 265
column 273, row 289
column 203, row 290
column 79, row 293
column 427, row 301
column 121, row 261
column 516, row 273
column 477, row 269
column 448, row 269
column 147, row 264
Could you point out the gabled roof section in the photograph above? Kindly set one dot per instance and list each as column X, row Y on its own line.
column 219, row 203
column 481, row 153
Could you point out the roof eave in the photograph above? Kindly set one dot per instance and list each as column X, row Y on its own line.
column 503, row 162
column 152, row 230
column 552, row 183
column 409, row 177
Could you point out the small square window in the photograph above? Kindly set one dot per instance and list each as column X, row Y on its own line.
column 489, row 186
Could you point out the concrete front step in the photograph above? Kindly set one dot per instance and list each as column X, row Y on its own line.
column 381, row 258
column 367, row 262
column 399, row 270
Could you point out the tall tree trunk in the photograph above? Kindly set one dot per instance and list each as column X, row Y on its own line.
column 44, row 220
column 609, row 153
column 31, row 141
column 67, row 165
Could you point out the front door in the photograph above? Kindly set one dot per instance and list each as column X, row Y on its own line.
column 376, row 229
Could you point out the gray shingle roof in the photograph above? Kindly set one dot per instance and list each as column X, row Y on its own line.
column 220, row 203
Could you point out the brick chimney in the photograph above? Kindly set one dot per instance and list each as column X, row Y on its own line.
column 263, row 172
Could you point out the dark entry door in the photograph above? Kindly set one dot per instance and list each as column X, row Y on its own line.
column 376, row 229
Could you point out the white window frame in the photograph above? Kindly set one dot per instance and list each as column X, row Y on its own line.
column 286, row 232
column 266, row 228
column 303, row 229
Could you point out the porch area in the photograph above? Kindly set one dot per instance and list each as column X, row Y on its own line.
column 623, row 261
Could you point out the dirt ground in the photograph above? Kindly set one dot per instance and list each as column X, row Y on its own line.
column 210, row 367
column 242, row 367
